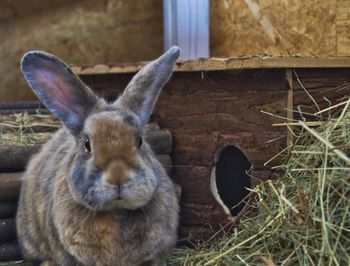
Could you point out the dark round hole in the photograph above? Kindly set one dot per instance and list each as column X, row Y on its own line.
column 231, row 178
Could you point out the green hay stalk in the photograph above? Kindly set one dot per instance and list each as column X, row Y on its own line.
column 19, row 129
column 304, row 217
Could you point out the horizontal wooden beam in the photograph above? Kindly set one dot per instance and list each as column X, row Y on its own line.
column 8, row 208
column 15, row 157
column 7, row 230
column 9, row 252
column 216, row 64
column 10, row 184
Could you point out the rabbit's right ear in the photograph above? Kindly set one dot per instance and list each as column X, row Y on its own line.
column 58, row 88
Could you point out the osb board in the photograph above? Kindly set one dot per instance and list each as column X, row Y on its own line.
column 276, row 27
column 112, row 31
column 216, row 64
column 343, row 27
column 204, row 112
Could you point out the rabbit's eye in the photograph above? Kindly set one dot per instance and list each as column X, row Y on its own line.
column 87, row 144
column 139, row 141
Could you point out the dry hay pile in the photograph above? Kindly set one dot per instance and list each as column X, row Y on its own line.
column 24, row 129
column 303, row 218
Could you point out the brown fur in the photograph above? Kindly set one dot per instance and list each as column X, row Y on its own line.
column 56, row 224
column 122, row 144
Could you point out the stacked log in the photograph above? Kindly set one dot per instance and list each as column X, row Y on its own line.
column 24, row 128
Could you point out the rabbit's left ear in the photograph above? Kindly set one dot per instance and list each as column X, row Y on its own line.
column 58, row 88
column 142, row 92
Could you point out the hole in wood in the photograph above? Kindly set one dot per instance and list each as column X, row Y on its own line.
column 229, row 181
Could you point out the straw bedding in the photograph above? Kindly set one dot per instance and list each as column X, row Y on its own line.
column 302, row 218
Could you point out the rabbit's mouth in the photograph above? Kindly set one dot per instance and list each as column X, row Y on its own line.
column 123, row 203
column 129, row 191
column 124, row 197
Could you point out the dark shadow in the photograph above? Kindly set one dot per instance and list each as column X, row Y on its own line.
column 231, row 178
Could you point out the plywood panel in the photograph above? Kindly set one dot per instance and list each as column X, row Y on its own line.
column 343, row 27
column 274, row 27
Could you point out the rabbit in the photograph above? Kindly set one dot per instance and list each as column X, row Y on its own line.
column 95, row 194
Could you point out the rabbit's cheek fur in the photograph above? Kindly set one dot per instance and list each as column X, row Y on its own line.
column 83, row 187
column 86, row 187
column 91, row 189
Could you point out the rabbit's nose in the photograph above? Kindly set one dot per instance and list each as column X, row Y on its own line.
column 117, row 173
column 119, row 188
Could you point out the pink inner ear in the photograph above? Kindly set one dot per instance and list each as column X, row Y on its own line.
column 59, row 90
column 57, row 86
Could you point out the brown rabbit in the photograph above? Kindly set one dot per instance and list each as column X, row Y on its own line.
column 96, row 194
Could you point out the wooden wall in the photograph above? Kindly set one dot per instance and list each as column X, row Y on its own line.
column 204, row 111
column 309, row 28
column 101, row 31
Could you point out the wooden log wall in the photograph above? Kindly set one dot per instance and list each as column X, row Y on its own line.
column 212, row 102
column 204, row 110
column 14, row 155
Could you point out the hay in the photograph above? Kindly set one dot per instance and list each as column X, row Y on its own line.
column 22, row 128
column 301, row 219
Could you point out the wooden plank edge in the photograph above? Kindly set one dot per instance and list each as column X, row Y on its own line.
column 290, row 106
column 10, row 184
column 217, row 64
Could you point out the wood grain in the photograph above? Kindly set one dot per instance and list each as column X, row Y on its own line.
column 274, row 27
column 15, row 157
column 215, row 64
column 204, row 112
column 10, row 184
column 166, row 161
column 325, row 86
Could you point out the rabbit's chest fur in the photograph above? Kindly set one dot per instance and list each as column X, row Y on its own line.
column 109, row 238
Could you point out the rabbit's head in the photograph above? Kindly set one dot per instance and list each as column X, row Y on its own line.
column 111, row 166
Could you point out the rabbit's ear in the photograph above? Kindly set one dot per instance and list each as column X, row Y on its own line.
column 58, row 88
column 142, row 92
